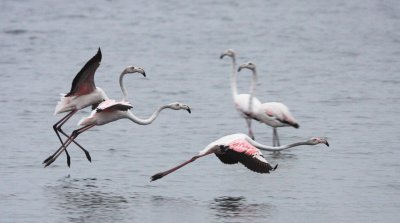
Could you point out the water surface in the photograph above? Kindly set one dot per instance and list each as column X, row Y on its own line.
column 335, row 64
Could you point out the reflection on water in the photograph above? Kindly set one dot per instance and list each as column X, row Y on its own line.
column 239, row 210
column 83, row 200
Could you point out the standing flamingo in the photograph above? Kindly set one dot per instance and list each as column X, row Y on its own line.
column 239, row 147
column 241, row 101
column 83, row 93
column 109, row 111
column 264, row 112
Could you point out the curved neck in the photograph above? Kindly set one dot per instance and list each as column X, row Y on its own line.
column 233, row 78
column 272, row 148
column 252, row 89
column 121, row 84
column 148, row 120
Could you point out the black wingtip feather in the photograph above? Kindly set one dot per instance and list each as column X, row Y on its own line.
column 98, row 55
column 95, row 59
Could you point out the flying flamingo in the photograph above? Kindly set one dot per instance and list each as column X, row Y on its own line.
column 264, row 112
column 109, row 111
column 241, row 101
column 240, row 148
column 83, row 93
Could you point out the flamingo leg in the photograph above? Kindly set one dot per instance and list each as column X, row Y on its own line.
column 83, row 149
column 163, row 174
column 62, row 121
column 248, row 121
column 57, row 128
column 276, row 137
column 63, row 147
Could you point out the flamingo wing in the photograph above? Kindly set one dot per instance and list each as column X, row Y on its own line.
column 108, row 105
column 225, row 158
column 255, row 162
column 83, row 82
column 248, row 155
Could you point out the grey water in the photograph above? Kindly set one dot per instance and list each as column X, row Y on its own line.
column 335, row 64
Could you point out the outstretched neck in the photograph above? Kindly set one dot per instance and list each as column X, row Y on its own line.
column 252, row 89
column 233, row 78
column 121, row 84
column 272, row 148
column 148, row 120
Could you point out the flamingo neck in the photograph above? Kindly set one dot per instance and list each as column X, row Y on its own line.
column 272, row 148
column 252, row 90
column 233, row 78
column 121, row 84
column 148, row 120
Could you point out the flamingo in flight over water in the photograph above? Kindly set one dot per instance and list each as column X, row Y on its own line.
column 240, row 148
column 83, row 93
column 111, row 110
column 263, row 112
column 241, row 101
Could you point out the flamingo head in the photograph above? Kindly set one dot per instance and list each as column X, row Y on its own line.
column 230, row 53
column 249, row 65
column 318, row 140
column 179, row 106
column 133, row 69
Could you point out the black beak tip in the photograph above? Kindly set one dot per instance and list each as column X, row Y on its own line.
column 327, row 144
column 189, row 110
column 156, row 177
column 144, row 74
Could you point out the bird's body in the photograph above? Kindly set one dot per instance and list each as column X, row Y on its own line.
column 112, row 110
column 83, row 93
column 78, row 102
column 283, row 116
column 107, row 111
column 236, row 148
column 240, row 148
column 241, row 101
column 274, row 114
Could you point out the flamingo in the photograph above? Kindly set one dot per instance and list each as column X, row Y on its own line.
column 263, row 112
column 241, row 101
column 109, row 111
column 240, row 148
column 83, row 93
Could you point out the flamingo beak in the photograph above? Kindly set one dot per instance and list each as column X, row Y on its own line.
column 222, row 56
column 188, row 109
column 240, row 68
column 144, row 74
column 326, row 143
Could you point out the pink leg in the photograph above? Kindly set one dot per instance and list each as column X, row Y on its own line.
column 57, row 129
column 248, row 121
column 162, row 174
column 74, row 134
column 57, row 126
column 83, row 149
